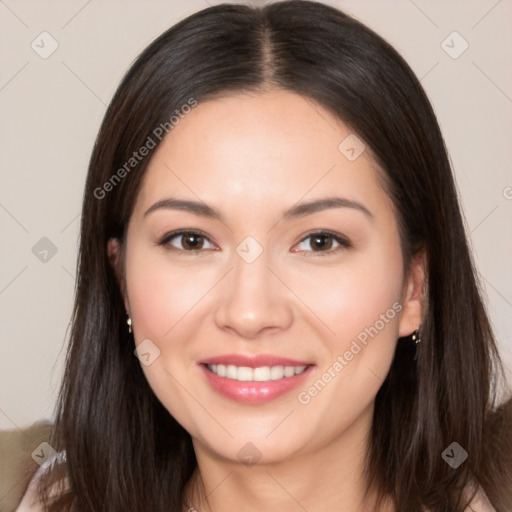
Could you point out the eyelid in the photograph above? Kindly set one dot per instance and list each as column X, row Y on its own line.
column 164, row 241
column 342, row 240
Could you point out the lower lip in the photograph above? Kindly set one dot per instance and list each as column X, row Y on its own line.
column 254, row 393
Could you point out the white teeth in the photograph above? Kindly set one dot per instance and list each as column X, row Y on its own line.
column 277, row 372
column 289, row 371
column 231, row 372
column 244, row 373
column 260, row 374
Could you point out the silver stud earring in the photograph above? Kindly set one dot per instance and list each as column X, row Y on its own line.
column 129, row 322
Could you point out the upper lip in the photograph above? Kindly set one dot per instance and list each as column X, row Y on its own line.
column 254, row 361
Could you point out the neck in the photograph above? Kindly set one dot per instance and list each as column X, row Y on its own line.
column 320, row 479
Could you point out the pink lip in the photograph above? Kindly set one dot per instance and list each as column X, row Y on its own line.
column 256, row 361
column 254, row 393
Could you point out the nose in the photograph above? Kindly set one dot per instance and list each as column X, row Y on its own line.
column 253, row 300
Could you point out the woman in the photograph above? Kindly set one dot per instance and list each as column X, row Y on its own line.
column 270, row 221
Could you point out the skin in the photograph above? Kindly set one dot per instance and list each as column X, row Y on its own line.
column 253, row 156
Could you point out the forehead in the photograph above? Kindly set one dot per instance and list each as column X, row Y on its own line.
column 247, row 152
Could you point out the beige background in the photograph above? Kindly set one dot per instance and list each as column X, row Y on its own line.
column 51, row 111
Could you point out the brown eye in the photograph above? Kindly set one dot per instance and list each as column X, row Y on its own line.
column 188, row 241
column 192, row 241
column 322, row 243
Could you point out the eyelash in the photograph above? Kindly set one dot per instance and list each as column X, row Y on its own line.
column 344, row 242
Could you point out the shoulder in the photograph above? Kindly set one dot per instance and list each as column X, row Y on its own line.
column 30, row 501
column 18, row 462
column 480, row 503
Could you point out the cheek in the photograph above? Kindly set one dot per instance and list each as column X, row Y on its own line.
column 161, row 294
column 360, row 302
column 163, row 300
column 353, row 295
column 152, row 299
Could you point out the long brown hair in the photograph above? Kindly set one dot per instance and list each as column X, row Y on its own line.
column 124, row 450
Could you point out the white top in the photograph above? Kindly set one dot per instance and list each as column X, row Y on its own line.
column 30, row 503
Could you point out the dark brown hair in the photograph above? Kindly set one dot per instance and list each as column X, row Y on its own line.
column 124, row 450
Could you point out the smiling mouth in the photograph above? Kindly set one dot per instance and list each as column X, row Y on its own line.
column 258, row 374
column 254, row 380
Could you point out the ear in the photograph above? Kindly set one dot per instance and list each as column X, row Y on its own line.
column 414, row 296
column 114, row 251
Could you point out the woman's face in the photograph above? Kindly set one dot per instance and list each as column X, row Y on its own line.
column 256, row 289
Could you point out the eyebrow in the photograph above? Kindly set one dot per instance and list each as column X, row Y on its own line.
column 299, row 210
column 307, row 208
